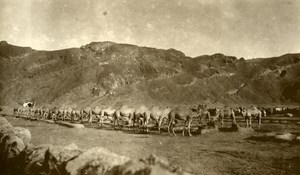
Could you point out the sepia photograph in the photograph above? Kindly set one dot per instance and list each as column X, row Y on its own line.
column 149, row 87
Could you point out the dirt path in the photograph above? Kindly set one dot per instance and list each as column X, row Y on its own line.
column 218, row 153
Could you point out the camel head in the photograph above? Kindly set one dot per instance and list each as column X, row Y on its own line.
column 244, row 112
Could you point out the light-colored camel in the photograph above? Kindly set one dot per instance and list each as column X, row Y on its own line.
column 181, row 113
column 24, row 111
column 54, row 113
column 158, row 114
column 76, row 113
column 107, row 112
column 61, row 113
column 203, row 112
column 252, row 112
column 96, row 111
column 68, row 113
column 124, row 112
column 223, row 113
column 86, row 112
column 142, row 116
column 41, row 112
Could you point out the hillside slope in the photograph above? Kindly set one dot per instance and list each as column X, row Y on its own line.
column 102, row 73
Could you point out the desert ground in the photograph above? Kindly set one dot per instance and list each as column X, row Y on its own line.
column 212, row 153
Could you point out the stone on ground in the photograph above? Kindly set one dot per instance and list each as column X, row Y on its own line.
column 71, row 125
column 95, row 161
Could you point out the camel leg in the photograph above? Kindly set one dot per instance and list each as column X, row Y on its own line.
column 134, row 127
column 143, row 125
column 90, row 119
column 184, row 125
column 173, row 131
column 146, row 124
column 222, row 122
column 200, row 121
column 130, row 119
column 233, row 119
column 189, row 127
column 100, row 120
column 169, row 125
column 250, row 122
column 247, row 123
column 159, row 125
column 114, row 122
column 81, row 118
column 259, row 121
column 72, row 118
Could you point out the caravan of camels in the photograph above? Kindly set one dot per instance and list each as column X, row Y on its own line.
column 142, row 116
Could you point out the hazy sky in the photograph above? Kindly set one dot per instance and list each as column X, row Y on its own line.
column 243, row 28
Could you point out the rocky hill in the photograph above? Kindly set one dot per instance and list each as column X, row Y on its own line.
column 102, row 73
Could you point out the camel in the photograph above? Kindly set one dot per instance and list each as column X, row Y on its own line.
column 68, row 113
column 97, row 112
column 61, row 113
column 124, row 112
column 142, row 116
column 107, row 112
column 45, row 112
column 42, row 112
column 252, row 112
column 203, row 112
column 53, row 113
column 56, row 113
column 224, row 113
column 181, row 113
column 86, row 112
column 22, row 111
column 17, row 111
column 75, row 113
column 158, row 115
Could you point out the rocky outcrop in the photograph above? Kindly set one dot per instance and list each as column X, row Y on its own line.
column 18, row 156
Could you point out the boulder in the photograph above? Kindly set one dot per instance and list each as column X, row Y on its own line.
column 64, row 154
column 95, row 161
column 20, row 132
column 10, row 148
column 4, row 123
column 285, row 137
column 48, row 158
column 149, row 166
column 23, row 133
column 35, row 159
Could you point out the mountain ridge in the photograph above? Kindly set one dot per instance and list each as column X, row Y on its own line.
column 108, row 73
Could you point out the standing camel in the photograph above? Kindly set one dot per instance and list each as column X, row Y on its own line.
column 181, row 113
column 252, row 112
